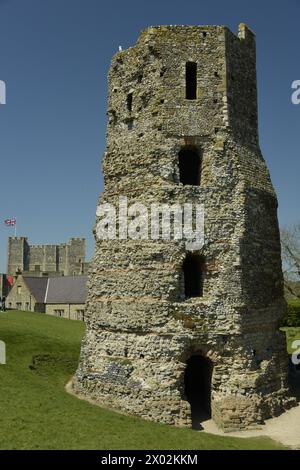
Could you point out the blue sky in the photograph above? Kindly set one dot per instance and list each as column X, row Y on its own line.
column 54, row 58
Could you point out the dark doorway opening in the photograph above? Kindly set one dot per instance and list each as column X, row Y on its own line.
column 191, row 80
column 193, row 271
column 189, row 166
column 197, row 381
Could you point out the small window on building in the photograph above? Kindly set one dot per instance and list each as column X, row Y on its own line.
column 189, row 166
column 19, row 290
column 59, row 313
column 193, row 271
column 80, row 314
column 37, row 267
column 129, row 101
column 191, row 81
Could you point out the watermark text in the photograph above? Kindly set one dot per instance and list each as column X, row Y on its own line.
column 296, row 94
column 2, row 92
column 296, row 354
column 153, row 222
column 2, row 352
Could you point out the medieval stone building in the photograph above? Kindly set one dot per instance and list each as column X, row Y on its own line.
column 172, row 334
column 65, row 259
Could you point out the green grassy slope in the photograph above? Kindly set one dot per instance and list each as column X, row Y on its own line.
column 37, row 413
column 295, row 302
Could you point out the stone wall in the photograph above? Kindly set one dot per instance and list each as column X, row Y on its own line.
column 141, row 329
column 4, row 286
column 17, row 255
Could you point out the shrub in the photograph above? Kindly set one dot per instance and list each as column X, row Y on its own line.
column 292, row 317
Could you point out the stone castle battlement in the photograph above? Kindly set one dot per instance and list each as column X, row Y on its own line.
column 65, row 259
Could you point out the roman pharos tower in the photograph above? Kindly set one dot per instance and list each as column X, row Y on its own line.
column 174, row 335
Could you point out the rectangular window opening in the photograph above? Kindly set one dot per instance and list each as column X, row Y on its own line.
column 193, row 269
column 191, row 80
column 129, row 101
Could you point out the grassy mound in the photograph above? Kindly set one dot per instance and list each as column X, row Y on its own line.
column 37, row 413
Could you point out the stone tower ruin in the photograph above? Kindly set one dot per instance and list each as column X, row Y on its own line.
column 176, row 336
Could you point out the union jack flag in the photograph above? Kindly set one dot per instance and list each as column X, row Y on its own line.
column 10, row 222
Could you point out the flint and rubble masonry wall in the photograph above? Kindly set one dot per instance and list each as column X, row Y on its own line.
column 141, row 330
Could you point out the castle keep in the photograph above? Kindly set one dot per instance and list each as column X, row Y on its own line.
column 65, row 259
column 175, row 336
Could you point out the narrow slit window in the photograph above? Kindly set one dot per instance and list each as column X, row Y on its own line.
column 193, row 271
column 130, row 124
column 129, row 101
column 191, row 80
column 189, row 166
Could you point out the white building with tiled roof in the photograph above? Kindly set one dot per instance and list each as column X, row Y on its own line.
column 60, row 296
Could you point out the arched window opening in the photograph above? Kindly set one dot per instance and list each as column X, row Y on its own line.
column 191, row 81
column 193, row 271
column 189, row 166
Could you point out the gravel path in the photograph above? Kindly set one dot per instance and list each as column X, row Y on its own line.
column 284, row 429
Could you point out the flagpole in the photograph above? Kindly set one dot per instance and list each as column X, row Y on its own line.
column 15, row 227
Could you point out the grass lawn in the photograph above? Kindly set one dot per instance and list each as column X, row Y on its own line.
column 37, row 413
column 294, row 302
